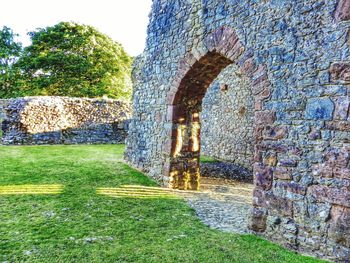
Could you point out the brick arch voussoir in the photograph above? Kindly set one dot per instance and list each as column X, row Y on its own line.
column 226, row 42
column 223, row 41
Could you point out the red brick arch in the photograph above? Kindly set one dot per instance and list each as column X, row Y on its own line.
column 196, row 72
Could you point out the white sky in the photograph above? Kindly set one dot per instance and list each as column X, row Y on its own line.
column 124, row 21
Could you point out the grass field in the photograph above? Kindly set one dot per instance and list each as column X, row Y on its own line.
column 53, row 208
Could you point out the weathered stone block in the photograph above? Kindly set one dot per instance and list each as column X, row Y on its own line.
column 275, row 132
column 259, row 197
column 335, row 165
column 336, row 157
column 283, row 173
column 258, row 220
column 263, row 177
column 338, row 125
column 287, row 163
column 270, row 160
column 339, row 229
column 342, row 108
column 337, row 196
column 279, row 205
column 319, row 109
column 342, row 173
column 342, row 12
column 265, row 117
column 292, row 187
column 340, row 71
column 249, row 67
column 315, row 134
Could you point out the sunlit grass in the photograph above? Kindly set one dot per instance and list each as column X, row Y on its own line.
column 207, row 159
column 136, row 191
column 44, row 189
column 85, row 224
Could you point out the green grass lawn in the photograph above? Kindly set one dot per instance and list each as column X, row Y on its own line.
column 78, row 225
column 208, row 159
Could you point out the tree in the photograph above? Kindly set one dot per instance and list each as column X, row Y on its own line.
column 10, row 50
column 71, row 59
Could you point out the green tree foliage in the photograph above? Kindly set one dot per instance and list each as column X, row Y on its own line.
column 71, row 59
column 10, row 50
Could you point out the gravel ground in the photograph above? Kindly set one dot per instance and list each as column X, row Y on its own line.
column 222, row 204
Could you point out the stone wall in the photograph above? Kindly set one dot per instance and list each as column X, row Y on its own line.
column 227, row 119
column 3, row 104
column 63, row 120
column 295, row 56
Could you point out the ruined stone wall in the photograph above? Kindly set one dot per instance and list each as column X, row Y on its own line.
column 296, row 56
column 3, row 104
column 227, row 119
column 63, row 120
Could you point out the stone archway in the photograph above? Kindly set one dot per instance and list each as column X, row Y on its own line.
column 301, row 125
column 196, row 72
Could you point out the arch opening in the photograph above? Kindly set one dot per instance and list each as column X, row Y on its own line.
column 184, row 159
column 227, row 126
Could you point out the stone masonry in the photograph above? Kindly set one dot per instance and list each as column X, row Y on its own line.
column 227, row 119
column 293, row 60
column 3, row 105
column 63, row 120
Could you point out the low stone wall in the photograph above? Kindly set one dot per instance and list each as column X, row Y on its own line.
column 63, row 120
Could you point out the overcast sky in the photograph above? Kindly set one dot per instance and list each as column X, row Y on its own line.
column 123, row 20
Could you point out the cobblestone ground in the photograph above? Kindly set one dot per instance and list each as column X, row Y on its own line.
column 222, row 203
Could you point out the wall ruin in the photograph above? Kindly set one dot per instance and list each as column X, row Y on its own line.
column 295, row 56
column 64, row 120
